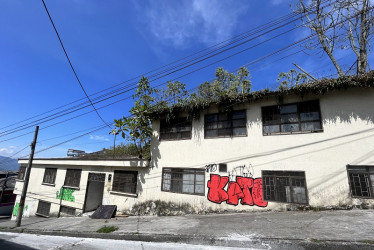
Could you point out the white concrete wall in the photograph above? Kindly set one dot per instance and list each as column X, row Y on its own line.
column 347, row 118
column 38, row 191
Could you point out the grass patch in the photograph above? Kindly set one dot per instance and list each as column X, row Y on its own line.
column 107, row 229
column 315, row 240
column 369, row 242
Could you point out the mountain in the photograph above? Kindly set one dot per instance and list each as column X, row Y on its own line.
column 7, row 163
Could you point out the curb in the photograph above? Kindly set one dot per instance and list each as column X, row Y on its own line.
column 211, row 240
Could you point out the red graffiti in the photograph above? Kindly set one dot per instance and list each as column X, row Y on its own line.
column 246, row 189
column 216, row 185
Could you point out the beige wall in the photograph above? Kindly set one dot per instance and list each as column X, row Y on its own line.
column 38, row 191
column 347, row 138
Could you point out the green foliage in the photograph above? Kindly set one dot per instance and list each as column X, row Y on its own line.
column 225, row 84
column 126, row 150
column 291, row 79
column 137, row 128
column 107, row 229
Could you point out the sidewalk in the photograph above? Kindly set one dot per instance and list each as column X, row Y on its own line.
column 285, row 230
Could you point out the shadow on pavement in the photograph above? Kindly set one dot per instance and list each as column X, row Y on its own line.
column 4, row 244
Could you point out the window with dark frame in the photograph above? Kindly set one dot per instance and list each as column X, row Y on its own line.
column 50, row 175
column 361, row 181
column 67, row 210
column 43, row 208
column 227, row 124
column 285, row 186
column 299, row 117
column 125, row 181
column 184, row 181
column 177, row 129
column 73, row 177
column 222, row 167
column 21, row 173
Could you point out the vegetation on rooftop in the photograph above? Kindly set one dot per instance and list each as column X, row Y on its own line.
column 226, row 90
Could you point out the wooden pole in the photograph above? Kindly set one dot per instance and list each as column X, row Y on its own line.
column 27, row 177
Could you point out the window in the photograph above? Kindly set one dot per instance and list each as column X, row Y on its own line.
column 125, row 181
column 8, row 198
column 67, row 210
column 21, row 173
column 361, row 181
column 43, row 208
column 292, row 118
column 50, row 175
column 226, row 124
column 284, row 186
column 222, row 167
column 189, row 181
column 73, row 177
column 178, row 129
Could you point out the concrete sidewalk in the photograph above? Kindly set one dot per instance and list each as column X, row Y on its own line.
column 351, row 229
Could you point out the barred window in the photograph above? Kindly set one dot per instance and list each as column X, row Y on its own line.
column 177, row 129
column 43, row 208
column 227, row 124
column 285, row 186
column 73, row 177
column 292, row 118
column 64, row 210
column 21, row 173
column 50, row 175
column 361, row 181
column 125, row 181
column 188, row 181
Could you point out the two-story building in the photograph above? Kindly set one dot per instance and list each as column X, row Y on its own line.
column 311, row 145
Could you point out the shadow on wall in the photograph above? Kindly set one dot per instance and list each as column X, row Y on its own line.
column 346, row 111
column 155, row 152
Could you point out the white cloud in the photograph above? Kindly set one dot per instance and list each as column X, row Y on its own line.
column 98, row 138
column 179, row 23
column 7, row 151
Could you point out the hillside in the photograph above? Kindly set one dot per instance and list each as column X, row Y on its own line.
column 7, row 163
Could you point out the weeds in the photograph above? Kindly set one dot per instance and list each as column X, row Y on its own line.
column 107, row 229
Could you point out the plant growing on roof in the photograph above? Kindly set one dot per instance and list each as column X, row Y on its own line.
column 291, row 79
column 137, row 127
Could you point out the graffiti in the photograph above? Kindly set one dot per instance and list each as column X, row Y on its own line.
column 241, row 171
column 246, row 189
column 211, row 168
column 16, row 208
column 65, row 194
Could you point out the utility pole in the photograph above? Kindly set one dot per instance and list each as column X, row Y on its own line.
column 305, row 71
column 27, row 177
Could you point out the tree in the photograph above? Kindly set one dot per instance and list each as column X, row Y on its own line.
column 226, row 83
column 340, row 23
column 137, row 127
column 176, row 90
column 290, row 79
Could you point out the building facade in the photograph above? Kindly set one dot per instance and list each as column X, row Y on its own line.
column 72, row 186
column 311, row 150
column 314, row 150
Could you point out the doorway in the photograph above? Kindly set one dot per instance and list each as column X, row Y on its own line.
column 94, row 191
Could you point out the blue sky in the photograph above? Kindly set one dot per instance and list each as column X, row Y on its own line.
column 110, row 42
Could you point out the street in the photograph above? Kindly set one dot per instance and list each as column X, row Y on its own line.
column 10, row 241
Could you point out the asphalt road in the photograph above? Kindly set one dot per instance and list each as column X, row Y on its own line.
column 10, row 241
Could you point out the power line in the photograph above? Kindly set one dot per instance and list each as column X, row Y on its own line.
column 216, row 61
column 71, row 65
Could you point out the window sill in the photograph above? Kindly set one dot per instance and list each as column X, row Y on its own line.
column 76, row 188
column 124, row 194
column 199, row 194
column 293, row 133
column 20, row 180
column 48, row 184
